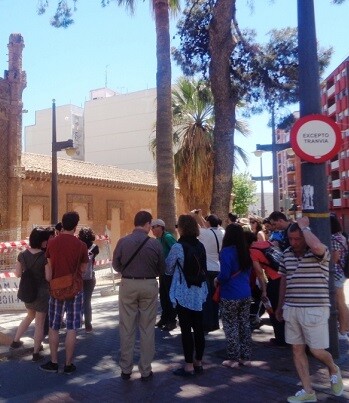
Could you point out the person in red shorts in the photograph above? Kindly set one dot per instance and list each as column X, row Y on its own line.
column 65, row 254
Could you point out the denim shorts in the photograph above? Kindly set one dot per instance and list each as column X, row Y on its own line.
column 339, row 280
column 72, row 308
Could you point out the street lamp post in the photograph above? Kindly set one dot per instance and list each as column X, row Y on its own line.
column 276, row 192
column 261, row 179
column 314, row 174
column 56, row 146
column 274, row 148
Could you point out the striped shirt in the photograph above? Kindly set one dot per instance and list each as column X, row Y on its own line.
column 306, row 278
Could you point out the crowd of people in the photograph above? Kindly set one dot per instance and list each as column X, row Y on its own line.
column 275, row 263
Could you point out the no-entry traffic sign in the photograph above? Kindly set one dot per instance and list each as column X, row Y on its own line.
column 316, row 138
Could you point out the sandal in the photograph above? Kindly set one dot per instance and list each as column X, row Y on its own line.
column 198, row 369
column 182, row 372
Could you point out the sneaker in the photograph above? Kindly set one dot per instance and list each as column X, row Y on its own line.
column 16, row 344
column 88, row 329
column 37, row 357
column 148, row 377
column 125, row 376
column 302, row 396
column 69, row 369
column 49, row 367
column 337, row 383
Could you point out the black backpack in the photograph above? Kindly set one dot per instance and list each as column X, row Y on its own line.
column 273, row 255
column 195, row 266
column 28, row 287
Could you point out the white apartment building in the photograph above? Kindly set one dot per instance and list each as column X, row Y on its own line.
column 111, row 129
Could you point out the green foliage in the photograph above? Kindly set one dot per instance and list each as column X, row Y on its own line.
column 244, row 190
column 262, row 75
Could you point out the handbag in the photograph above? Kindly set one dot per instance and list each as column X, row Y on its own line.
column 216, row 297
column 65, row 287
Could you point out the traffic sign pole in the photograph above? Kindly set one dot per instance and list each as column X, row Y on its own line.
column 314, row 178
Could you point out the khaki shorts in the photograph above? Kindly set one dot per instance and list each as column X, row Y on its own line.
column 307, row 326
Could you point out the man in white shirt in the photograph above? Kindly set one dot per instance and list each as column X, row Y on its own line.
column 211, row 235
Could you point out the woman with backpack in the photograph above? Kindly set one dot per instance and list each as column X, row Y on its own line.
column 34, row 260
column 87, row 236
column 187, row 263
column 235, row 294
column 339, row 248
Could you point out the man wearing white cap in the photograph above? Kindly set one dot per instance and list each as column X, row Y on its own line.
column 168, row 315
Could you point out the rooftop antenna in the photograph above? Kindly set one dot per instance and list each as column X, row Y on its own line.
column 106, row 76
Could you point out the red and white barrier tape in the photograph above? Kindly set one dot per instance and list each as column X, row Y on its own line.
column 6, row 247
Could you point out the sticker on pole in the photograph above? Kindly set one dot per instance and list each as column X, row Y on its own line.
column 316, row 138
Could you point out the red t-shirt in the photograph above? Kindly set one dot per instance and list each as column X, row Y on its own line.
column 66, row 254
column 258, row 256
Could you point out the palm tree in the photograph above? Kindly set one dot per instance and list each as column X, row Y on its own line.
column 192, row 108
column 164, row 159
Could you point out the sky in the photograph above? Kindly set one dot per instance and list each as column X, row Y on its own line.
column 108, row 46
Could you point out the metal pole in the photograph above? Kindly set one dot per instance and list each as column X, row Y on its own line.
column 54, row 174
column 276, row 197
column 314, row 175
column 262, row 189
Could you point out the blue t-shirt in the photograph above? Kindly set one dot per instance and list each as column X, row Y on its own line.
column 237, row 287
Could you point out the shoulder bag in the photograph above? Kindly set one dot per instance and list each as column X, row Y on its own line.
column 66, row 287
column 216, row 297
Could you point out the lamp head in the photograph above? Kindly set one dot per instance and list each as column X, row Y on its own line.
column 258, row 153
column 70, row 151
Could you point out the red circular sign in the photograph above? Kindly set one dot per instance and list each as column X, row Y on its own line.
column 316, row 138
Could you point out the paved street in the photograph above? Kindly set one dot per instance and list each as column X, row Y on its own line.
column 271, row 378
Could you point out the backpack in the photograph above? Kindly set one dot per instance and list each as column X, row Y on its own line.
column 273, row 255
column 28, row 287
column 88, row 274
column 195, row 267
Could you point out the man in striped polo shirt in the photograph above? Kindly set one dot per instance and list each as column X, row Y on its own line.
column 304, row 304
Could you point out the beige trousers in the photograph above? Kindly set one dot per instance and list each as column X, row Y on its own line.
column 138, row 301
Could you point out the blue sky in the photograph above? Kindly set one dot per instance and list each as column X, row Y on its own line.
column 66, row 64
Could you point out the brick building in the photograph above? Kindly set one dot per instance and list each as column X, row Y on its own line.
column 335, row 104
column 106, row 197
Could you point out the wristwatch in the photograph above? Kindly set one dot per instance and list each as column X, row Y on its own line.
column 305, row 229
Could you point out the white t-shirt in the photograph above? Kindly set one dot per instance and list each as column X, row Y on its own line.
column 207, row 237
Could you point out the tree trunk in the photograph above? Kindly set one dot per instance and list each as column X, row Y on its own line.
column 221, row 47
column 164, row 153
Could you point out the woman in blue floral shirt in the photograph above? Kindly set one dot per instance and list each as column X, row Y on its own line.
column 188, row 292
